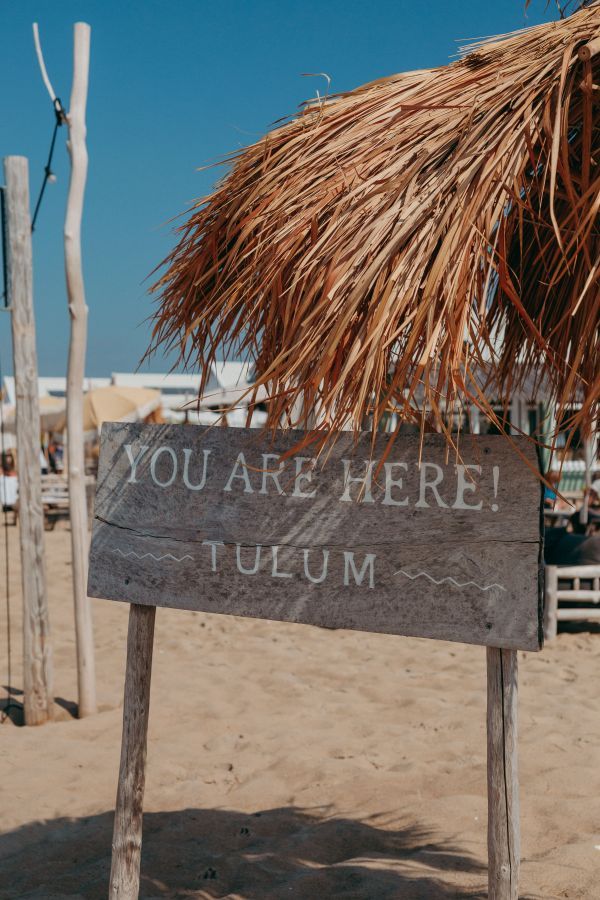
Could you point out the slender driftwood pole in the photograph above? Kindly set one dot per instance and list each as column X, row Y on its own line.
column 37, row 653
column 86, row 677
column 503, row 782
column 127, row 833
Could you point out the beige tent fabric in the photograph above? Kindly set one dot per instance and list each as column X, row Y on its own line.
column 114, row 404
column 52, row 411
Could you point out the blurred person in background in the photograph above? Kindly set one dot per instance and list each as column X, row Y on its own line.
column 579, row 522
column 9, row 484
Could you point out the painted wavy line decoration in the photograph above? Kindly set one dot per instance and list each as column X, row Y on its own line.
column 176, row 559
column 449, row 580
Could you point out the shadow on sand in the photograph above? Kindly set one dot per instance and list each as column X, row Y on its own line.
column 11, row 708
column 271, row 854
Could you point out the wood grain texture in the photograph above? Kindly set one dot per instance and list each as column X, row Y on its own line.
column 37, row 651
column 127, row 832
column 503, row 782
column 244, row 543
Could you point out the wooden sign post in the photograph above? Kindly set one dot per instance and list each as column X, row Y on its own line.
column 415, row 542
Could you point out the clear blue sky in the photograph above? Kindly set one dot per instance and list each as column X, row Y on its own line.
column 175, row 84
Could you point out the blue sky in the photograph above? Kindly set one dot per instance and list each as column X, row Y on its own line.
column 175, row 84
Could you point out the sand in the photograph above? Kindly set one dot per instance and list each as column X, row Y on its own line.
column 288, row 761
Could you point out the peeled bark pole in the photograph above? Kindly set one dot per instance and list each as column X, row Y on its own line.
column 127, row 832
column 503, row 781
column 37, row 654
column 86, row 678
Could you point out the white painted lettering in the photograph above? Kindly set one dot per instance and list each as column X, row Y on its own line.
column 270, row 473
column 364, row 480
column 432, row 485
column 391, row 482
column 133, row 461
column 241, row 568
column 155, row 457
column 213, row 552
column 464, row 486
column 359, row 577
column 303, row 474
column 240, row 463
column 186, row 465
column 323, row 574
column 274, row 571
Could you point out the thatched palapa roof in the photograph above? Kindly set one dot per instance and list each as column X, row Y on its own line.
column 391, row 242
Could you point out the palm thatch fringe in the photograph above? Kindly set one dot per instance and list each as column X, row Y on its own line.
column 431, row 236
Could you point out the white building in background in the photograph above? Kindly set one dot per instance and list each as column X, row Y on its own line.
column 49, row 387
column 226, row 385
column 179, row 392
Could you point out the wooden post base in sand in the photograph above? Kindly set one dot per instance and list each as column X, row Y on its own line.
column 502, row 775
column 127, row 833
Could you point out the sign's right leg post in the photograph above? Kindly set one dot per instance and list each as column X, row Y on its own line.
column 503, row 781
column 127, row 833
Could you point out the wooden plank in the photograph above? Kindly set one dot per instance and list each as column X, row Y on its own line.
column 581, row 594
column 578, row 572
column 551, row 602
column 37, row 651
column 503, row 783
column 578, row 615
column 203, row 519
column 127, row 831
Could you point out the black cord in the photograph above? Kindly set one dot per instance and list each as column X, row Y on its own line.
column 60, row 118
column 9, row 701
column 4, row 248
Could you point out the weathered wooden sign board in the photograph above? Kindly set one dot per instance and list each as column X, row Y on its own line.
column 426, row 544
column 411, row 541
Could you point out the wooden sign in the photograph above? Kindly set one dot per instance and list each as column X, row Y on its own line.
column 424, row 544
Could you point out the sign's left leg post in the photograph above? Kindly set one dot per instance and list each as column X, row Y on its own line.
column 127, row 833
column 503, row 780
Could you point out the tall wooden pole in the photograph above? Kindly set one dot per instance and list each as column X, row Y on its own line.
column 86, row 677
column 37, row 653
column 127, row 831
column 503, row 782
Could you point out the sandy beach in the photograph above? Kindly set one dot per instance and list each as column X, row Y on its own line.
column 288, row 761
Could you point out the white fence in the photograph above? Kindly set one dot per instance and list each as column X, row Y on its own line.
column 582, row 584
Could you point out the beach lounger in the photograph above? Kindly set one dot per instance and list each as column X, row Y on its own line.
column 55, row 498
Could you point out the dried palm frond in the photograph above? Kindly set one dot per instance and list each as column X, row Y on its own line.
column 428, row 238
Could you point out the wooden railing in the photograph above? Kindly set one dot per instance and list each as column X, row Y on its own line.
column 556, row 591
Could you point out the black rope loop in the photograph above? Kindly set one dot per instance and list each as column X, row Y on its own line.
column 60, row 118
